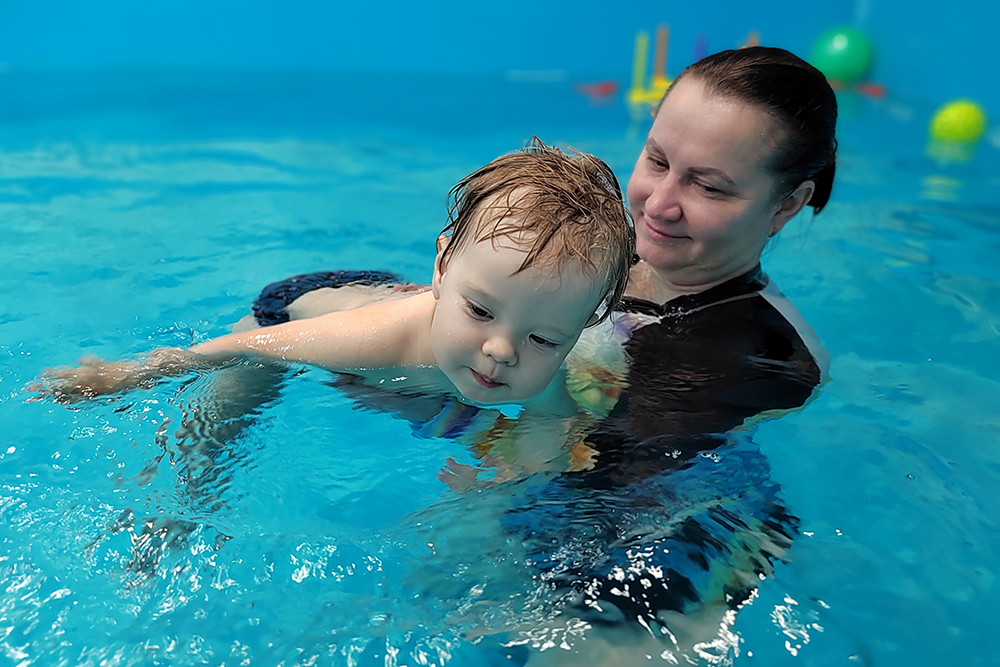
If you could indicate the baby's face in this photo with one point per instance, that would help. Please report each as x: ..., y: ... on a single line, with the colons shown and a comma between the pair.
x: 500, y: 336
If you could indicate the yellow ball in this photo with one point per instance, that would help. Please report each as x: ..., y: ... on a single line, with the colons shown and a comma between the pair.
x: 959, y: 121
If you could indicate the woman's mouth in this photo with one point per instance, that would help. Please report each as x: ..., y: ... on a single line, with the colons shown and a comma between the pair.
x: 659, y: 231
x: 486, y: 380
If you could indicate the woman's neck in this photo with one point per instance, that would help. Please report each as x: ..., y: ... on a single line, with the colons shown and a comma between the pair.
x: 646, y: 283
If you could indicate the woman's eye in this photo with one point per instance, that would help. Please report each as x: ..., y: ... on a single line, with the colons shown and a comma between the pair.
x: 544, y: 342
x: 657, y: 163
x: 710, y: 190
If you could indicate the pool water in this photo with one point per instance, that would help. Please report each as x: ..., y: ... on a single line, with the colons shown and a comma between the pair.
x: 146, y: 211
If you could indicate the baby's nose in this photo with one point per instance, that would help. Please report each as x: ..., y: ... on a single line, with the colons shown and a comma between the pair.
x: 500, y: 349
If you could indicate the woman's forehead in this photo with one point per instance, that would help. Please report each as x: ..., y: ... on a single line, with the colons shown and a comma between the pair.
x: 700, y: 125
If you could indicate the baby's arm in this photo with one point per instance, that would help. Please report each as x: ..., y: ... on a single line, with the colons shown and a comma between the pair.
x: 381, y: 335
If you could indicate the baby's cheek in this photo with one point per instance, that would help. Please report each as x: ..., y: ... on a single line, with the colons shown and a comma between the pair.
x: 541, y: 372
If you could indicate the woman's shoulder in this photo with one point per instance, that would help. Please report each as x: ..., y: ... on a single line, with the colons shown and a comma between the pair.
x: 746, y: 315
x: 798, y: 323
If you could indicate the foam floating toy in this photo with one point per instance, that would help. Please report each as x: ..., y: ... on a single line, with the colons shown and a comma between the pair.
x: 642, y: 93
x: 598, y: 91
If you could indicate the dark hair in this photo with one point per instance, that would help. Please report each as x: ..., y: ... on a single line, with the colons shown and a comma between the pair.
x: 797, y: 95
x: 558, y: 205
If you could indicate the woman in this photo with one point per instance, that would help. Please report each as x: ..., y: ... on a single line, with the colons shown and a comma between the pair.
x: 679, y: 517
x: 741, y: 142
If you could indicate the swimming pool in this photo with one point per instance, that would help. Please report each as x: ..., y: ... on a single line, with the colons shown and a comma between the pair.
x: 149, y: 211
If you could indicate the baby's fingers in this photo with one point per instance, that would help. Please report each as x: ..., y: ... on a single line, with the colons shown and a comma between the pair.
x: 36, y: 388
x: 458, y: 476
x: 67, y: 384
x: 46, y: 388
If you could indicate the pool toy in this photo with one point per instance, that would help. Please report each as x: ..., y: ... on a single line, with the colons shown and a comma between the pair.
x: 844, y: 55
x: 640, y: 94
x: 700, y: 47
x: 599, y: 92
x: 960, y: 121
x: 955, y: 130
x: 871, y: 89
x: 598, y: 89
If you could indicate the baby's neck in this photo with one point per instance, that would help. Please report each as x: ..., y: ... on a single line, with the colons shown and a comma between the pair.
x: 554, y: 400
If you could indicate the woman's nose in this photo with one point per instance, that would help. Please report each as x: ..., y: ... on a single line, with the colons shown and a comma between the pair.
x: 500, y: 349
x: 663, y: 202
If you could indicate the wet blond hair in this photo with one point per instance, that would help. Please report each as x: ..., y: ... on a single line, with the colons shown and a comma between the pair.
x: 557, y: 205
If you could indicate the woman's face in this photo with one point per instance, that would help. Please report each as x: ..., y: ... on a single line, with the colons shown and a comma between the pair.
x: 702, y: 201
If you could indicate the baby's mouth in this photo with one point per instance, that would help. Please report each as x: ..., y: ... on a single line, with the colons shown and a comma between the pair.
x: 486, y: 381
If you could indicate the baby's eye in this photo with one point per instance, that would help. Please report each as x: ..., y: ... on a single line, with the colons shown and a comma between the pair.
x: 544, y: 342
x: 478, y: 311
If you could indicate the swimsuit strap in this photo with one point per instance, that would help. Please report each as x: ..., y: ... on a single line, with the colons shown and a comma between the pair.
x: 742, y: 287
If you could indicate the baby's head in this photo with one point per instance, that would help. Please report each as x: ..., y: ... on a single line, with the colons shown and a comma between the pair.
x: 538, y: 247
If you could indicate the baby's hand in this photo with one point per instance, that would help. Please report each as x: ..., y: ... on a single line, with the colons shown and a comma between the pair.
x: 91, y: 378
x: 458, y: 476
x: 95, y: 377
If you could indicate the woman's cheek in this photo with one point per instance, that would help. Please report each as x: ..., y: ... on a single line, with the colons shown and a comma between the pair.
x: 639, y: 187
x: 709, y: 219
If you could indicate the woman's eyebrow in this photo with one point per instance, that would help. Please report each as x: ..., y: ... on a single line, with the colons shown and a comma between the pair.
x: 715, y: 173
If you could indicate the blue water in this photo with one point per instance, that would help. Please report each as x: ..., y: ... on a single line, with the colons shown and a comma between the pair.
x: 145, y: 211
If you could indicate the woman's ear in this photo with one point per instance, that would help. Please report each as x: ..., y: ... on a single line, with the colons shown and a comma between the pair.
x: 791, y: 205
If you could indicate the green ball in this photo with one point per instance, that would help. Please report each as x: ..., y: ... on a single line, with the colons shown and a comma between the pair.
x: 844, y: 55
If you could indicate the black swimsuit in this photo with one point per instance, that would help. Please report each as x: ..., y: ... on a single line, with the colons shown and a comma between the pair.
x: 680, y: 510
x: 713, y: 360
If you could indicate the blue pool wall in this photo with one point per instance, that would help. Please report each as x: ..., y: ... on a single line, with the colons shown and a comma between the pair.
x: 926, y: 52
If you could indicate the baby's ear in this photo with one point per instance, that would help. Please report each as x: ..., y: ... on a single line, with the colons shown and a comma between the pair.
x: 440, y: 264
x: 599, y: 313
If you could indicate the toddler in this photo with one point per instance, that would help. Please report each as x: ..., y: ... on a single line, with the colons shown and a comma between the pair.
x: 538, y: 247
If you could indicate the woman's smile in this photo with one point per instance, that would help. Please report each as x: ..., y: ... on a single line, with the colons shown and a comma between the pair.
x: 662, y: 230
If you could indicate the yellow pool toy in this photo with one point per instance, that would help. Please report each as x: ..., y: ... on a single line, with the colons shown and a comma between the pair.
x: 640, y: 93
x: 960, y: 121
